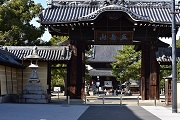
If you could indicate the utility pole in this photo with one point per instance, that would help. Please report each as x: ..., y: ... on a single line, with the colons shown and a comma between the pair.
x: 174, y: 66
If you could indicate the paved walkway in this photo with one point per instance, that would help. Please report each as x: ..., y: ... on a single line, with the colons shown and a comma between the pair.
x: 117, y: 113
x: 93, y: 110
x: 84, y: 112
x: 164, y: 113
x: 40, y: 112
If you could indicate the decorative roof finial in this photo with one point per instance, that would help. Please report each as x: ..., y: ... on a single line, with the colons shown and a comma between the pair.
x: 49, y: 3
x: 34, y: 50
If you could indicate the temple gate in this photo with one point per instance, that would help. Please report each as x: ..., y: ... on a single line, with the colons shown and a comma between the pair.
x: 101, y: 22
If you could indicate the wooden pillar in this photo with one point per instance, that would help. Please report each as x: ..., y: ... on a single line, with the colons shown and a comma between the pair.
x: 77, y: 72
x: 145, y: 71
x: 80, y: 82
x: 149, y: 72
x: 72, y: 74
x: 67, y: 82
x: 168, y: 90
x: 49, y: 77
x: 154, y: 74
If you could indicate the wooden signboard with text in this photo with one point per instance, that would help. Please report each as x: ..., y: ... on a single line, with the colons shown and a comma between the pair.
x: 113, y: 37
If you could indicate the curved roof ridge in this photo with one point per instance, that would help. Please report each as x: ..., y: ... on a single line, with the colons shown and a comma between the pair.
x: 85, y: 13
x: 105, y: 2
x: 115, y: 7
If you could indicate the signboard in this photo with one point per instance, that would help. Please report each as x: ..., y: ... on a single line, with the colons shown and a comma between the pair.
x: 108, y: 83
x: 113, y: 37
x: 57, y: 89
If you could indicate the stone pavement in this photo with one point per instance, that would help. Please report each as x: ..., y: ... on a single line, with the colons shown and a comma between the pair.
x: 117, y: 113
x: 40, y: 112
x: 84, y: 112
x: 164, y: 113
x: 94, y: 109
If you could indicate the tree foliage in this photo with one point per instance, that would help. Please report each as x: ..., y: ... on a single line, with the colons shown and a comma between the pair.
x: 128, y: 64
x: 178, y: 43
x: 58, y: 75
x: 88, y: 54
x: 178, y: 63
x: 15, y: 18
x: 164, y: 73
x: 57, y: 39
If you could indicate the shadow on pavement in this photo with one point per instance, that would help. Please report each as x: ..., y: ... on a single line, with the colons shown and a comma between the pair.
x: 117, y: 113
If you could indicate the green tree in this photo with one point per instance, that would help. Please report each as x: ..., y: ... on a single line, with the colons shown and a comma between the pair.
x: 55, y: 40
x: 128, y: 64
x: 15, y: 18
x: 88, y: 54
x: 58, y: 74
x: 178, y: 63
x: 178, y: 43
x: 165, y: 71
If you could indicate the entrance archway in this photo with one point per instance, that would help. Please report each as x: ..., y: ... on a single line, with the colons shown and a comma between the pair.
x: 116, y: 23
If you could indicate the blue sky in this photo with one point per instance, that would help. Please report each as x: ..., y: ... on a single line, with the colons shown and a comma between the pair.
x: 43, y: 2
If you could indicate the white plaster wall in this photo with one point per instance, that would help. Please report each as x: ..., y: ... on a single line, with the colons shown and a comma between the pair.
x: 178, y: 93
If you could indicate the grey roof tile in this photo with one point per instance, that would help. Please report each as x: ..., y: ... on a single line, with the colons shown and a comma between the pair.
x: 104, y: 53
x: 77, y: 13
x: 48, y: 53
x: 9, y: 59
x: 165, y: 54
x: 100, y: 72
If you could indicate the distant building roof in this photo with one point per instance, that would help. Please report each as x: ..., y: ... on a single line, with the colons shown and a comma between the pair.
x: 165, y: 55
x: 104, y: 53
x: 100, y: 72
x: 48, y: 53
x: 163, y: 44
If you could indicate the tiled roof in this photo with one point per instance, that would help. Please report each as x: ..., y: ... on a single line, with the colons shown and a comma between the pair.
x: 104, y: 53
x: 48, y: 53
x: 8, y: 59
x: 100, y: 72
x: 86, y: 12
x: 165, y: 54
